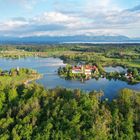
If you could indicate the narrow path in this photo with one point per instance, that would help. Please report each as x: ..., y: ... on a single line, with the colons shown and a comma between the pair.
x: 32, y: 79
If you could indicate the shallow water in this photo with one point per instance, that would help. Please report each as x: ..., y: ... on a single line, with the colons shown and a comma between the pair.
x: 48, y: 67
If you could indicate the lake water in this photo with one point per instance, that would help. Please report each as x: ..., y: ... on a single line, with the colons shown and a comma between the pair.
x: 48, y: 67
x: 115, y: 69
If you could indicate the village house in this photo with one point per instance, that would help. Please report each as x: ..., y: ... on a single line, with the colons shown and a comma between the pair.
x: 87, y: 70
x: 129, y: 75
x: 77, y: 69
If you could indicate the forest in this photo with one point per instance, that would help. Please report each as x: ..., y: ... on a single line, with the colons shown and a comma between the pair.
x: 32, y: 112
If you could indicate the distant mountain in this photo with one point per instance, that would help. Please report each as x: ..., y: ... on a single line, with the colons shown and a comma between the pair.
x: 66, y: 39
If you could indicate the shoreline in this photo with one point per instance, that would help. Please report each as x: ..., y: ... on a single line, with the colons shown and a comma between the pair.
x: 27, y: 82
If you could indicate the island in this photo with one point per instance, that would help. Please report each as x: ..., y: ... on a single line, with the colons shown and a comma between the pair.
x: 86, y: 72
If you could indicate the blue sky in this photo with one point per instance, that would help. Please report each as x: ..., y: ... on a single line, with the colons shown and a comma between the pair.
x: 69, y: 17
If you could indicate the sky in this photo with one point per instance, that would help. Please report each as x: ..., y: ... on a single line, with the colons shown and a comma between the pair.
x: 23, y: 18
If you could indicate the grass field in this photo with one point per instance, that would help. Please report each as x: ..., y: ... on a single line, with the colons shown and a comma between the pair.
x: 18, y: 79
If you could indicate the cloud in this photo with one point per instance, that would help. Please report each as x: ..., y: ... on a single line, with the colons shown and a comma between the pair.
x: 135, y: 9
x: 12, y: 25
x: 53, y: 17
x: 93, y: 18
x: 27, y: 4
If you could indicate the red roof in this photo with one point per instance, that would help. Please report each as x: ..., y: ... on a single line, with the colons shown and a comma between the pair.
x: 91, y: 67
x: 76, y: 68
x: 94, y: 67
x: 88, y: 67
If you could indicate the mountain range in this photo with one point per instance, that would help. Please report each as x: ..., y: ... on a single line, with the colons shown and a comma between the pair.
x: 67, y: 39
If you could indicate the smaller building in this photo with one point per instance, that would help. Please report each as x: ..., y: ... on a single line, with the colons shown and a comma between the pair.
x: 88, y: 71
x: 129, y: 75
x: 77, y: 70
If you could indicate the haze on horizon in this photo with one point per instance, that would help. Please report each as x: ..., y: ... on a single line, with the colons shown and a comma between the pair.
x: 21, y: 18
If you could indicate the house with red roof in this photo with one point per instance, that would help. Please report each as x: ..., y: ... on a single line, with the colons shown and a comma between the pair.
x: 87, y: 69
x: 77, y: 70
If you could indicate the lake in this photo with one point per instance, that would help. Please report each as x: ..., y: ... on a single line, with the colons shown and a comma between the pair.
x: 48, y: 67
x: 115, y: 69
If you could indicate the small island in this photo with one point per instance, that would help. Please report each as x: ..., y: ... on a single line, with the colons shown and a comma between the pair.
x: 17, y: 76
x: 86, y: 72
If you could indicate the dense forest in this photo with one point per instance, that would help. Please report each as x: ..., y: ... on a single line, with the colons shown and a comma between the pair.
x: 32, y: 112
